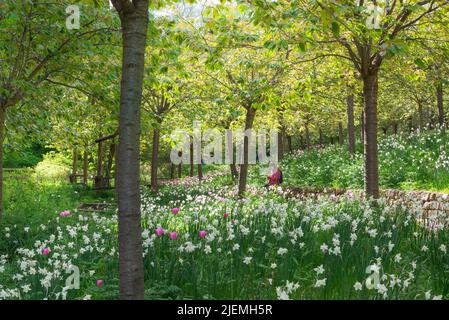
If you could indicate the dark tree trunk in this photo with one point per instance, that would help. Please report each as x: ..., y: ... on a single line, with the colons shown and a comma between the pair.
x: 200, y: 171
x: 180, y: 165
x: 172, y: 171
x: 281, y: 148
x: 307, y: 137
x: 370, y: 92
x: 234, y: 172
x: 249, y: 120
x: 385, y: 130
x: 2, y: 138
x: 395, y: 128
x: 440, y: 105
x: 74, y: 164
x: 301, y: 142
x: 85, y: 166
x: 98, y: 178
x: 134, y: 21
x: 320, y: 133
x: 421, y: 116
x: 289, y: 143
x: 351, y: 130
x: 191, y: 171
x: 154, y: 159
x: 362, y: 123
x: 340, y: 133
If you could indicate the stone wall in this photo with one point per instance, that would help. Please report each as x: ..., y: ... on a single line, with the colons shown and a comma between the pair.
x: 430, y: 205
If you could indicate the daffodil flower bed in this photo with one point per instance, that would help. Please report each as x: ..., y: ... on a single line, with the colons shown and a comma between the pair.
x: 201, y: 242
x: 409, y: 161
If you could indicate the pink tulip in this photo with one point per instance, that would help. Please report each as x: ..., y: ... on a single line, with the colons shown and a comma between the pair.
x: 175, y: 211
x: 225, y: 215
x: 173, y: 235
x: 65, y: 213
x: 45, y: 251
x: 99, y: 283
x: 159, y: 231
x: 202, y: 233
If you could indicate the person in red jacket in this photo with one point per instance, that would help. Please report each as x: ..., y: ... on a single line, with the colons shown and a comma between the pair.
x: 276, y: 176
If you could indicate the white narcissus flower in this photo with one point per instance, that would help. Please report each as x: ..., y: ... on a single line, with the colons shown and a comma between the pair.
x: 320, y: 283
x: 319, y: 270
x: 357, y: 286
x: 282, y: 251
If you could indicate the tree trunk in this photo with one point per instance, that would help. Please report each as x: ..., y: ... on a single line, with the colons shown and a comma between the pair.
x: 172, y: 171
x: 200, y: 171
x: 134, y: 21
x: 234, y: 172
x: 321, y: 140
x: 249, y: 120
x: 370, y: 93
x: 421, y: 116
x: 340, y: 133
x: 154, y: 159
x: 74, y: 164
x: 100, y: 159
x: 362, y: 123
x: 85, y: 166
x: 307, y: 137
x: 281, y: 135
x: 395, y: 128
x: 351, y: 130
x: 289, y: 143
x: 180, y: 170
x: 2, y: 138
x: 191, y: 160
x: 440, y: 105
x: 301, y: 142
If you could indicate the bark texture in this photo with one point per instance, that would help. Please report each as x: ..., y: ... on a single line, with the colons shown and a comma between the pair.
x: 351, y: 130
x: 249, y: 121
x: 134, y: 22
x: 370, y: 93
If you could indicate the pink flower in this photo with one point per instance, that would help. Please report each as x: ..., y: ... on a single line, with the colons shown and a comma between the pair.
x: 159, y: 231
x: 175, y: 211
x: 65, y: 213
x: 45, y: 251
x: 202, y: 233
x: 99, y: 283
x: 225, y: 215
x: 173, y: 235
